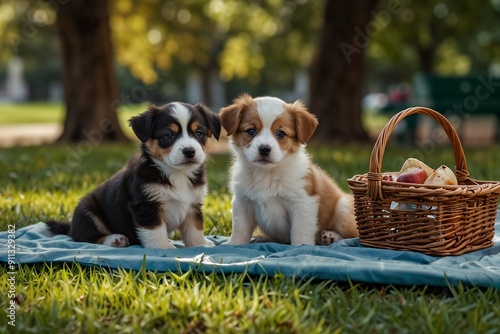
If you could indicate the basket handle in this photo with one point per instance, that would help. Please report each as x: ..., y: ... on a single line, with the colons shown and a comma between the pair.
x: 374, y: 174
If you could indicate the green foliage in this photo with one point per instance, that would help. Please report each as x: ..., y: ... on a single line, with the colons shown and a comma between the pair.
x: 236, y: 39
x: 262, y: 41
x: 440, y: 36
x: 28, y: 30
x: 233, y: 39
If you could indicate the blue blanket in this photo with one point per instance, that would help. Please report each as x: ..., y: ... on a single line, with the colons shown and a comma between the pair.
x: 342, y: 261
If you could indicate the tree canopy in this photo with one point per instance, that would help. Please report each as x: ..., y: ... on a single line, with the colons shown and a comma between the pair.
x: 224, y: 38
x: 442, y: 36
x: 234, y: 39
x: 253, y: 40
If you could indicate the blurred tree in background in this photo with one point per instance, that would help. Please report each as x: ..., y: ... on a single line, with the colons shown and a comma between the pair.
x: 216, y: 40
x: 219, y: 41
x: 28, y: 31
x: 337, y: 74
x: 259, y: 46
x: 89, y: 79
x: 436, y: 36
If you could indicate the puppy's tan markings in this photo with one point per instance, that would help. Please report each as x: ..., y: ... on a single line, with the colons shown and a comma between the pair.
x: 311, y: 184
x: 244, y: 113
x: 193, y: 220
x: 305, y: 122
x: 328, y: 198
x: 195, y: 217
x: 231, y: 116
x: 337, y: 217
x: 155, y: 149
x: 174, y: 128
x: 319, y: 185
x: 99, y: 224
x: 286, y: 124
x: 250, y: 120
x: 195, y: 126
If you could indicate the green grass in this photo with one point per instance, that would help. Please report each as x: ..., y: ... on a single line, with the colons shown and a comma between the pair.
x: 44, y: 182
x: 41, y: 112
x: 73, y: 299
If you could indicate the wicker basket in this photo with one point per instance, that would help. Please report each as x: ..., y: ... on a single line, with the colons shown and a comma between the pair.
x: 435, y: 220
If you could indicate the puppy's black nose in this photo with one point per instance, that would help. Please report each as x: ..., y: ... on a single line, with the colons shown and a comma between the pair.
x: 188, y: 152
x: 264, y: 150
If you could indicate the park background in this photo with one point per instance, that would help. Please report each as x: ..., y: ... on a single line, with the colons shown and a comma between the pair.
x: 66, y: 65
x: 85, y: 61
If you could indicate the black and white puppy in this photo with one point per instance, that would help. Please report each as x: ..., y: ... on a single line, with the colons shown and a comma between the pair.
x: 159, y: 191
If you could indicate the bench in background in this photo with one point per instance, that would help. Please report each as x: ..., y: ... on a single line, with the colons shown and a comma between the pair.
x: 462, y: 96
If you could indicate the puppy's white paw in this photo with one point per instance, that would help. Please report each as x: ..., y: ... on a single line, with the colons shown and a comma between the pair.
x: 233, y: 242
x: 116, y: 240
x: 329, y: 237
x: 162, y: 245
x: 200, y: 243
x: 209, y: 243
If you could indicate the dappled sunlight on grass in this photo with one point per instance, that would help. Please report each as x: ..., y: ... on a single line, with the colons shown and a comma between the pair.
x: 42, y: 182
x: 217, y: 211
x: 48, y: 181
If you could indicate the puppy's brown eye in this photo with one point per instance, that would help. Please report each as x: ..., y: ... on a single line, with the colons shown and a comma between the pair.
x: 199, y: 134
x: 280, y: 134
x: 251, y: 132
x: 169, y: 135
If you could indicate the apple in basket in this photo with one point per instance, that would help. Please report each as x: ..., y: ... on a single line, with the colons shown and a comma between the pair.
x: 413, y: 175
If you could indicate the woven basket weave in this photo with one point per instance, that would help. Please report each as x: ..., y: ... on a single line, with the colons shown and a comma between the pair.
x: 435, y: 220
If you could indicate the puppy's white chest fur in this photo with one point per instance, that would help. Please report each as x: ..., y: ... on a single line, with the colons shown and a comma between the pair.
x: 273, y: 218
x: 283, y: 180
x: 276, y: 199
x: 176, y: 201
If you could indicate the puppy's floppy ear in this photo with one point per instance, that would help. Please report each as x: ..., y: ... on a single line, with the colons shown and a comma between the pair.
x: 143, y: 124
x: 305, y: 122
x: 212, y: 119
x: 231, y: 116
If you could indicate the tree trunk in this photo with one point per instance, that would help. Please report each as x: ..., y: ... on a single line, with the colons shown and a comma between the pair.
x: 426, y: 58
x: 209, y: 71
x: 206, y: 85
x: 338, y: 71
x: 90, y: 87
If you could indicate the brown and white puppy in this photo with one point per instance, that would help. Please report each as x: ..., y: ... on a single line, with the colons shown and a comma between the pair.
x: 275, y: 185
x: 158, y: 191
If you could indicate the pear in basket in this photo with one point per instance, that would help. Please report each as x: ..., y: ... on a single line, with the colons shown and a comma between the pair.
x: 441, y: 177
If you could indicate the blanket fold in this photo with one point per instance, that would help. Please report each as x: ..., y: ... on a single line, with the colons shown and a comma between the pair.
x: 342, y: 261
